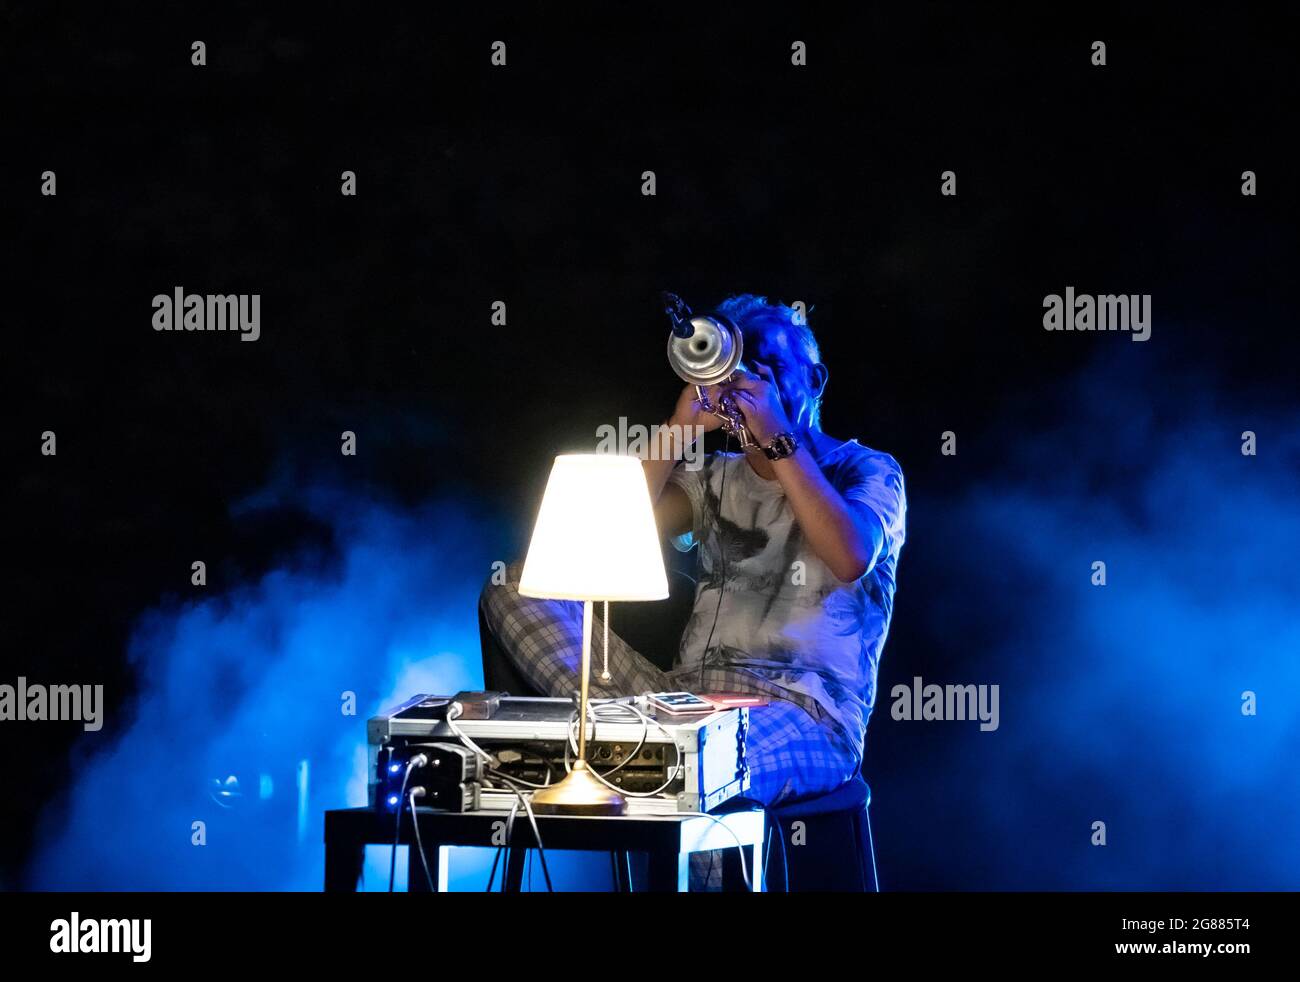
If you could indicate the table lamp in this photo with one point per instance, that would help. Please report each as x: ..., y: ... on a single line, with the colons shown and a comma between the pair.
x: 595, y: 539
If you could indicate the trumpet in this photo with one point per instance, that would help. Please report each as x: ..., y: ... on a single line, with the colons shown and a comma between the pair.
x: 704, y: 350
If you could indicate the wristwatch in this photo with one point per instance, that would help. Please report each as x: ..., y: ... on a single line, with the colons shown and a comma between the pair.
x: 783, y: 445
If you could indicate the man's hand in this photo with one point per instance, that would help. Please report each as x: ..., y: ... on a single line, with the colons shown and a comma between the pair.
x: 687, y: 412
x: 672, y: 507
x: 759, y: 401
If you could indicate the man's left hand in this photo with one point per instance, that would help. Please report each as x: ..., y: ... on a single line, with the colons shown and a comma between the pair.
x: 759, y: 401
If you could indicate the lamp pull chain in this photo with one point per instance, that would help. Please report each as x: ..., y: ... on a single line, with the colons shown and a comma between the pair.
x: 605, y: 676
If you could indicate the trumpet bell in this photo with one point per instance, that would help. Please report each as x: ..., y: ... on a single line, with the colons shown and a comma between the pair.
x: 709, y: 355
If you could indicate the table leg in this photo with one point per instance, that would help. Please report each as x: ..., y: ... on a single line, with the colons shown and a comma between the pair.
x: 621, y: 861
x: 344, y: 859
x: 670, y: 872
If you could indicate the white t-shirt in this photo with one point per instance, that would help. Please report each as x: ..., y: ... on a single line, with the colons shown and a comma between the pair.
x: 785, y: 617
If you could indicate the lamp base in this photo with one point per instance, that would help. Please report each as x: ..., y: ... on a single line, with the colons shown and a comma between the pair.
x: 578, y: 794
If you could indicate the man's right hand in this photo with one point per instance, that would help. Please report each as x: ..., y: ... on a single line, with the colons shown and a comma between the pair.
x: 687, y: 412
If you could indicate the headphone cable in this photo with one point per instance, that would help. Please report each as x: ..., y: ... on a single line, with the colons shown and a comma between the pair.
x: 722, y: 559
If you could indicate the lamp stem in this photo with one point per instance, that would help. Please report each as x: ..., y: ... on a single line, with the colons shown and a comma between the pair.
x: 586, y: 674
x: 580, y: 792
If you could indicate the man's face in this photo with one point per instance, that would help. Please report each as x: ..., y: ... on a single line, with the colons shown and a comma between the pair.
x: 774, y: 348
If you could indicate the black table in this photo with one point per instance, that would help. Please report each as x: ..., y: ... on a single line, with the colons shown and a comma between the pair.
x: 668, y: 840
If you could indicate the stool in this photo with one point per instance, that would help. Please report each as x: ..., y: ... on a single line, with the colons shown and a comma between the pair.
x: 837, y: 853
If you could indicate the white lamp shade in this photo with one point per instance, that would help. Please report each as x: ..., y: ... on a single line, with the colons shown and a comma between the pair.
x: 595, y: 537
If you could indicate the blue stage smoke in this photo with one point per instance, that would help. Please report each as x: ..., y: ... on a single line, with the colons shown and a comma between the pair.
x: 239, y: 721
x: 1120, y: 703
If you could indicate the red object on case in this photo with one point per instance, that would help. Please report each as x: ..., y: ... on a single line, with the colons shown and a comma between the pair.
x: 734, y: 700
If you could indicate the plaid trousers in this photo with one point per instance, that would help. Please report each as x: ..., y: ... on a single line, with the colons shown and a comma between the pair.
x: 795, y: 749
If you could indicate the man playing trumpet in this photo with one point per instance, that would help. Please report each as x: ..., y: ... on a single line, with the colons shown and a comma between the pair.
x: 799, y: 537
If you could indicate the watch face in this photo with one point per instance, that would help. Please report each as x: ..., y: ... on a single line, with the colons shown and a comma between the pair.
x: 783, y: 445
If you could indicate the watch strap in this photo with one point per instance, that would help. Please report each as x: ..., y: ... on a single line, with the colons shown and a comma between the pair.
x: 783, y: 445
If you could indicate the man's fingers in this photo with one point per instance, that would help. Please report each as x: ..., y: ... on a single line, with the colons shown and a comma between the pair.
x: 745, y: 382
